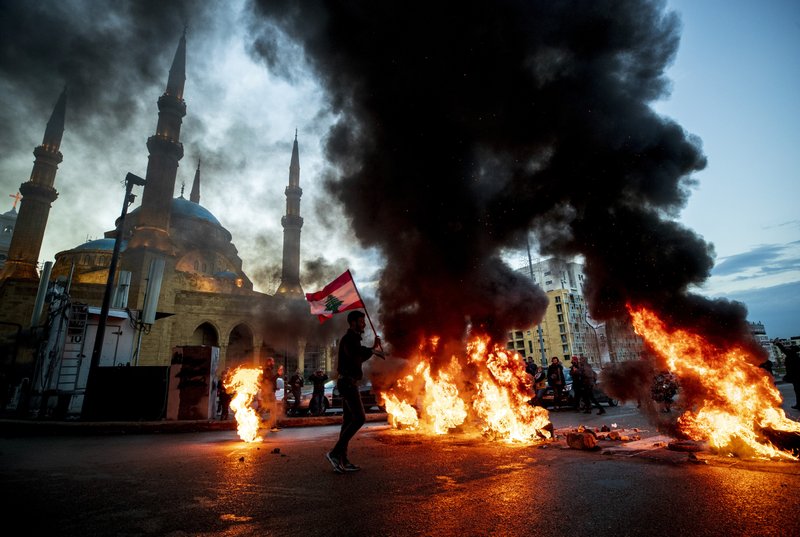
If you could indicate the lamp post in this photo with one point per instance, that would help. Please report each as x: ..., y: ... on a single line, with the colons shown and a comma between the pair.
x: 131, y: 180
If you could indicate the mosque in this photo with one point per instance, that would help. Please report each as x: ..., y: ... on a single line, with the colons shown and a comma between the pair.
x: 169, y: 247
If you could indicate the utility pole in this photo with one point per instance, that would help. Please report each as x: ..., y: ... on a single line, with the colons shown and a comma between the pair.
x: 91, y: 381
x: 543, y: 356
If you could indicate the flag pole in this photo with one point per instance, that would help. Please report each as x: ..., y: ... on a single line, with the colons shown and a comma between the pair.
x: 380, y: 347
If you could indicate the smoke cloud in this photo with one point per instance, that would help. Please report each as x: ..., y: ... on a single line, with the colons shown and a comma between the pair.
x: 463, y: 127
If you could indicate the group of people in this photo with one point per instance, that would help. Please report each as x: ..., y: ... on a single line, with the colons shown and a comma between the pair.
x: 271, y: 393
x: 583, y: 381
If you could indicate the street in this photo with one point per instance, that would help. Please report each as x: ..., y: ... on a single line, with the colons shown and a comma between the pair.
x: 212, y: 484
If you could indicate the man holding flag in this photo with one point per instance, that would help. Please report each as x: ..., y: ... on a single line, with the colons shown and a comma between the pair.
x: 338, y: 296
x: 351, y: 355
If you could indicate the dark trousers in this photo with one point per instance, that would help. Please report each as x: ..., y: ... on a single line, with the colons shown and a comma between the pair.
x: 587, y: 394
x: 578, y: 390
x: 353, y: 415
x: 297, y: 397
x: 317, y: 403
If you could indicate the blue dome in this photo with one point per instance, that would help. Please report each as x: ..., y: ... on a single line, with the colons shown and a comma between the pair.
x: 184, y: 207
x: 101, y: 244
x: 226, y: 274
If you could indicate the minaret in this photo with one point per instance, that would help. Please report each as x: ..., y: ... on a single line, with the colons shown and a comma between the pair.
x: 37, y: 196
x: 194, y: 196
x: 292, y: 223
x: 152, y: 227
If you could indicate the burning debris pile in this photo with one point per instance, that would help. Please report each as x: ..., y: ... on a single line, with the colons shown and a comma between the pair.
x: 588, y: 438
x: 727, y: 399
x: 491, y: 396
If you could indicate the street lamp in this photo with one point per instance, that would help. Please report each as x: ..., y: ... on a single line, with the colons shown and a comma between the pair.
x: 131, y: 180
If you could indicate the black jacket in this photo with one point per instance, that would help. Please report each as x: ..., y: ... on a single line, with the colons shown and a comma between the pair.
x: 555, y: 375
x: 351, y: 355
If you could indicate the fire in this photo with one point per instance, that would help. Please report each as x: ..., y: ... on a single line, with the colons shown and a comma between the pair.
x: 244, y: 382
x: 495, y: 400
x: 742, y: 404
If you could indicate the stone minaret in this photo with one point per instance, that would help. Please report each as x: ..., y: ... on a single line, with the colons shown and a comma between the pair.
x: 150, y: 239
x: 194, y: 196
x: 37, y: 196
x: 152, y: 228
x: 292, y: 223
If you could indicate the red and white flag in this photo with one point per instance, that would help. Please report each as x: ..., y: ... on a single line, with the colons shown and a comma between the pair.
x: 338, y: 296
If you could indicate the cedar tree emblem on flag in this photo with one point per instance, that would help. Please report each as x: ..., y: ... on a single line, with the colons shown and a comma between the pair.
x: 338, y: 296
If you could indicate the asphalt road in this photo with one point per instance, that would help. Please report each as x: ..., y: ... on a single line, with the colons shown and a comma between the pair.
x: 212, y: 484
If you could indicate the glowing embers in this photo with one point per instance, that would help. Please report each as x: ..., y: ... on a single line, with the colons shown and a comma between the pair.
x: 738, y: 411
x: 244, y: 383
x: 486, y: 390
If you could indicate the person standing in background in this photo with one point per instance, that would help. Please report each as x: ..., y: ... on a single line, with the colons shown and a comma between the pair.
x: 295, y: 385
x: 555, y: 377
x: 318, y: 379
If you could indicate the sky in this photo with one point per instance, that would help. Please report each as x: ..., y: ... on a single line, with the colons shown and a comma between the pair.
x: 735, y: 81
x: 251, y: 84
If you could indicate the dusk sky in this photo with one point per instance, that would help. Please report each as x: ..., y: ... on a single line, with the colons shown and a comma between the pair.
x: 732, y: 86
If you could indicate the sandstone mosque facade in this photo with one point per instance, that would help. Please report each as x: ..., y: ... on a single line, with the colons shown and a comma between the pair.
x: 205, y: 297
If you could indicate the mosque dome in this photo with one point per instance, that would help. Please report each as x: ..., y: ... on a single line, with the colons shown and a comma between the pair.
x: 100, y: 244
x: 182, y: 207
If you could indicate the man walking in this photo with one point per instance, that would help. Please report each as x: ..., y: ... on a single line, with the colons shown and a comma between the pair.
x: 351, y: 355
x: 589, y: 379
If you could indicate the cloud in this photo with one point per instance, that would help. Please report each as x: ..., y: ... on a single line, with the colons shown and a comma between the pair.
x: 764, y: 260
x: 777, y: 307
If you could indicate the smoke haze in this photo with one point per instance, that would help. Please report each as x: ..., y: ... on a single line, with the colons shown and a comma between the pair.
x: 461, y: 128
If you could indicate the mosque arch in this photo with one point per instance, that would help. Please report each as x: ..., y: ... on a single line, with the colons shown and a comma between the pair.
x: 240, y: 346
x: 205, y: 334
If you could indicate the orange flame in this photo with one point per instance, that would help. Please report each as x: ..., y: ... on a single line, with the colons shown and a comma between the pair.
x: 741, y: 399
x: 496, y: 402
x: 244, y: 382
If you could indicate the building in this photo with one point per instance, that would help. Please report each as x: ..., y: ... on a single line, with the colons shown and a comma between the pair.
x: 176, y: 275
x: 8, y: 221
x: 567, y: 329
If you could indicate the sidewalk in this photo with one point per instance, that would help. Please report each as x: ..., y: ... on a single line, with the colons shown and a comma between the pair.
x: 40, y: 427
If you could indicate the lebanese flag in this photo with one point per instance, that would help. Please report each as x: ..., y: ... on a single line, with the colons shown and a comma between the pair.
x: 338, y: 296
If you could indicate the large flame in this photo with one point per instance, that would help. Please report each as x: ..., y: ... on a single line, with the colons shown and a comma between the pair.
x: 244, y: 383
x: 495, y: 398
x: 742, y: 404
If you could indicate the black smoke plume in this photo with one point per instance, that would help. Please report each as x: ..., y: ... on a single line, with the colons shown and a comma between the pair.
x: 465, y: 125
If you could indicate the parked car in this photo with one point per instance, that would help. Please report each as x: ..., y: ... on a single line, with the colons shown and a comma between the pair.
x: 368, y: 397
x: 306, y: 392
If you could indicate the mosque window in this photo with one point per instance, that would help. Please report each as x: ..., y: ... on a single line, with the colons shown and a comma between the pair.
x: 197, y: 265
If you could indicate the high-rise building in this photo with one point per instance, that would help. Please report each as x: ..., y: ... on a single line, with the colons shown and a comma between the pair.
x: 567, y: 329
